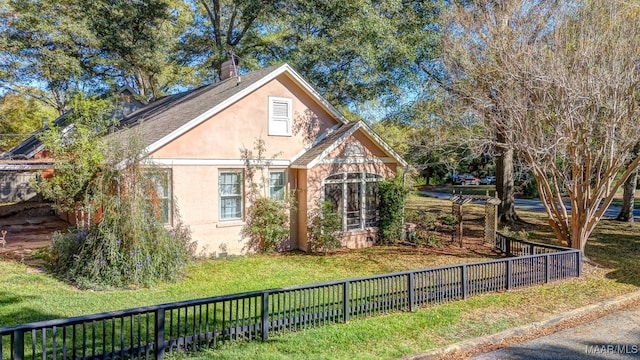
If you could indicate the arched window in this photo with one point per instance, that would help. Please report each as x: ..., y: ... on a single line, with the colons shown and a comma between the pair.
x: 355, y: 197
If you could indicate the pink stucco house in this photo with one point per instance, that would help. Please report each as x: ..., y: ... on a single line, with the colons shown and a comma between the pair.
x: 196, y: 137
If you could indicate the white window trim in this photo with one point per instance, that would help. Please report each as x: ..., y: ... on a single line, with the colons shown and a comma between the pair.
x: 168, y: 172
x: 363, y: 180
x: 227, y: 171
x: 284, y: 173
x: 288, y: 119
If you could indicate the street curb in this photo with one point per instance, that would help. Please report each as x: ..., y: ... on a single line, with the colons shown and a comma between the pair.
x: 501, y: 337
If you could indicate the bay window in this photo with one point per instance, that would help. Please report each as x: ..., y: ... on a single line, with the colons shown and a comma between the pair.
x: 355, y: 197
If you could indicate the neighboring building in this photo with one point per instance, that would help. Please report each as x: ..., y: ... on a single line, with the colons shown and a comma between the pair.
x: 24, y: 163
x: 196, y: 138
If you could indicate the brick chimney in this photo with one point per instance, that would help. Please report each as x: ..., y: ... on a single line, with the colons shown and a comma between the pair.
x: 229, y: 68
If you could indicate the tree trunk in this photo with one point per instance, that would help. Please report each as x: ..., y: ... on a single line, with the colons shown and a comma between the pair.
x: 628, y: 197
x: 629, y: 187
x: 504, y: 187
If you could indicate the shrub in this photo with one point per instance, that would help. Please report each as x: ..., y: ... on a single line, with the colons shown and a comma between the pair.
x: 129, y: 244
x: 121, y: 250
x: 449, y: 219
x: 324, y: 224
x: 267, y: 224
x: 392, y: 196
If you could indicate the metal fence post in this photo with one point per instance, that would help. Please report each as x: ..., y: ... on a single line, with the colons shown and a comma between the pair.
x: 345, y: 301
x: 159, y: 334
x: 18, y: 345
x: 464, y: 282
x: 507, y: 243
x: 265, y: 316
x: 579, y: 263
x: 547, y: 268
x: 411, y: 293
x: 508, y: 274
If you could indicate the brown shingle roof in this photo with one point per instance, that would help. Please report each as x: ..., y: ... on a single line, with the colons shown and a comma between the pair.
x: 323, y: 145
x: 165, y: 115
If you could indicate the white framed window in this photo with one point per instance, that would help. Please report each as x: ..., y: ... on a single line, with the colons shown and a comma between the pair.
x: 280, y: 116
x: 277, y: 184
x: 163, y: 194
x: 231, y: 194
x: 355, y: 196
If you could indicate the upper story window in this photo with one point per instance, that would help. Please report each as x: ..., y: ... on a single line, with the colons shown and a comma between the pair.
x: 280, y: 116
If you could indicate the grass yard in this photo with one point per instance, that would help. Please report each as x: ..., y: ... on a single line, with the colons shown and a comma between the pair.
x: 29, y: 295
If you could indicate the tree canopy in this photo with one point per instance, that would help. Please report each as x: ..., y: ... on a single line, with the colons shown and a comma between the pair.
x: 558, y: 82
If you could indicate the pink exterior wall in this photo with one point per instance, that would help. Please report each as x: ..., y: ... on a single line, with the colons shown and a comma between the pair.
x: 372, y: 162
x: 242, y: 123
x: 197, y: 157
x: 215, y: 145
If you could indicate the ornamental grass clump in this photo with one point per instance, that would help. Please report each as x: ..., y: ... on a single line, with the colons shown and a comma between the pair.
x: 122, y: 238
x: 129, y: 246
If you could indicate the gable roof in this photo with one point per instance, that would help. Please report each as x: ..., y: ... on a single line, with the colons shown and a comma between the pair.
x: 169, y: 117
x: 314, y: 155
x: 32, y: 145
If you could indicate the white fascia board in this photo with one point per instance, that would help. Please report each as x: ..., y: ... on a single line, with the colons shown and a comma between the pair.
x: 383, y: 160
x: 228, y: 102
x: 25, y: 167
x: 333, y: 146
x: 315, y: 94
x: 33, y: 152
x: 316, y: 141
x: 382, y: 144
x: 214, y: 162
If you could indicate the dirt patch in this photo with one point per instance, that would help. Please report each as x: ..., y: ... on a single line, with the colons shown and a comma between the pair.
x: 28, y: 226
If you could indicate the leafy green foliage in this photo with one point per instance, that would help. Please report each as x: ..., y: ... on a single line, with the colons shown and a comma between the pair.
x: 431, y: 228
x: 137, y: 43
x: 369, y: 49
x: 120, y: 240
x: 44, y: 42
x: 267, y: 224
x: 324, y: 224
x: 392, y: 196
x: 19, y: 116
x: 117, y: 251
x: 79, y: 153
x: 267, y: 220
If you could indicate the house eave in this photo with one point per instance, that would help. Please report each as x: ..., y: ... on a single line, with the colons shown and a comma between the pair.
x: 284, y: 69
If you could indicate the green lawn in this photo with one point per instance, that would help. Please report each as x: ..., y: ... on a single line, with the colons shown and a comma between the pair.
x: 28, y: 295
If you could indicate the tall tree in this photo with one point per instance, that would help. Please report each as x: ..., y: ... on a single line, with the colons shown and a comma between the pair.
x: 472, y: 25
x: 222, y: 25
x: 19, y: 117
x: 137, y: 44
x: 43, y: 47
x: 354, y: 51
x: 629, y: 191
x: 560, y: 82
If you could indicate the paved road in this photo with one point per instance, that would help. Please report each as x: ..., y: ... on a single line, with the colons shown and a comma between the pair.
x: 536, y: 205
x: 615, y: 336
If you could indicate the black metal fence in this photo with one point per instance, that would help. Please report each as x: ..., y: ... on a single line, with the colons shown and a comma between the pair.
x: 153, y: 331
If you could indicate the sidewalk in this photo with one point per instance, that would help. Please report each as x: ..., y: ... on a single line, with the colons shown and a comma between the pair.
x: 615, y: 336
x: 605, y: 330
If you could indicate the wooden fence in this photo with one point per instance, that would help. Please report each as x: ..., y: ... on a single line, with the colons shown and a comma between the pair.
x: 188, y: 326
